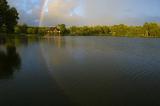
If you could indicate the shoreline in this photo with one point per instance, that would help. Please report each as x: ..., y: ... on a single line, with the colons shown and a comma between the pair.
x: 52, y: 36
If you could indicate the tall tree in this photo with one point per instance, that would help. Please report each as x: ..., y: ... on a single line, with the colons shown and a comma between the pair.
x: 151, y: 29
x: 8, y: 16
x: 62, y: 28
x: 3, y: 9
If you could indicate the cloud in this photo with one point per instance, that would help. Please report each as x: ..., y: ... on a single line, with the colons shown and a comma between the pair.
x: 29, y: 10
x: 131, y: 12
x: 62, y: 11
x: 88, y: 12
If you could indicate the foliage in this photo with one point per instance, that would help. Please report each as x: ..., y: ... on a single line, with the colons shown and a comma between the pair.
x: 151, y: 29
x: 62, y: 28
x: 32, y: 30
x: 21, y: 29
x: 24, y: 29
x: 8, y: 17
x: 119, y: 30
x: 147, y: 30
x: 89, y: 30
x: 3, y: 28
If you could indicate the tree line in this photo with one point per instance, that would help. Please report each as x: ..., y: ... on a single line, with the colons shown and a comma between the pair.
x: 25, y: 29
x: 146, y: 30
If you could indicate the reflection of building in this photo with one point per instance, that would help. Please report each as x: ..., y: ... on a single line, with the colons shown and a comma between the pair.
x: 53, y: 30
x: 58, y: 41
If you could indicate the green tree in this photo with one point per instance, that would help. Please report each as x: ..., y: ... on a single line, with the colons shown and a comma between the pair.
x: 62, y: 28
x: 3, y: 9
x: 30, y: 31
x: 8, y: 16
x: 135, y: 31
x: 106, y: 30
x: 119, y: 30
x: 11, y: 19
x: 3, y: 28
x: 151, y: 29
x: 42, y: 30
x: 17, y: 30
x: 23, y: 28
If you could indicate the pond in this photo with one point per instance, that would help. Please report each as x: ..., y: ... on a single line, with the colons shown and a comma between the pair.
x: 80, y: 71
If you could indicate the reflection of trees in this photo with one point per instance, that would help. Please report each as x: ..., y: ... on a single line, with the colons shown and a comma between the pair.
x: 9, y: 62
x: 25, y: 41
x: 2, y: 40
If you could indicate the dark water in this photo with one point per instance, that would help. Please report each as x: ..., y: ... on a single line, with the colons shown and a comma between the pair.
x: 80, y: 71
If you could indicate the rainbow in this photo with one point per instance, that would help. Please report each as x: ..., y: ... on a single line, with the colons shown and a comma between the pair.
x: 42, y: 12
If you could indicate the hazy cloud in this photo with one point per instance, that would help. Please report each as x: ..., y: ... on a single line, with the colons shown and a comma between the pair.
x: 84, y: 12
x: 62, y: 11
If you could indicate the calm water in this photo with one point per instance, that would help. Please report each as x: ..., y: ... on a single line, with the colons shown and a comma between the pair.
x: 80, y: 71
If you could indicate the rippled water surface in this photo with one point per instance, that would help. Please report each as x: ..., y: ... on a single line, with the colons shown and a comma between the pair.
x: 80, y: 71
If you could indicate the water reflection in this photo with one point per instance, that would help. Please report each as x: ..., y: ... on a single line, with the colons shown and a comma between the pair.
x: 57, y: 41
x: 9, y: 61
x: 85, y: 71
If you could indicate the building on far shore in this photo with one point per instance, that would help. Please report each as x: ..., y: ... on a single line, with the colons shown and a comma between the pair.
x: 54, y: 31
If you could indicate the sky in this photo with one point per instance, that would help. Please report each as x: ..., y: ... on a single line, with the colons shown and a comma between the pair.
x: 87, y: 12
